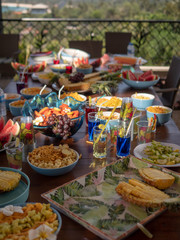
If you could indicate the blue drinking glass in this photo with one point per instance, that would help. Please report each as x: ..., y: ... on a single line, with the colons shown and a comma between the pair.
x: 92, y: 122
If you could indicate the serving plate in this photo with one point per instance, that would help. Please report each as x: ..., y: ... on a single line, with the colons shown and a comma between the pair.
x: 139, y: 152
x: 56, y: 87
x: 108, y: 98
x: 92, y: 201
x: 19, y: 194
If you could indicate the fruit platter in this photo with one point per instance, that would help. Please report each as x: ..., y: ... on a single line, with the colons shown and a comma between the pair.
x: 111, y: 201
x: 140, y: 81
x: 54, y: 117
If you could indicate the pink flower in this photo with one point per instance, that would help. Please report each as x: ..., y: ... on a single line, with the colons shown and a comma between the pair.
x: 29, y: 136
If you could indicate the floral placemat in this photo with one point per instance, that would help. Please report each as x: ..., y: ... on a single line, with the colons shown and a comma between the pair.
x: 92, y: 200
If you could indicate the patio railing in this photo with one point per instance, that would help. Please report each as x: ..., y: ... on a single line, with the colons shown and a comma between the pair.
x: 156, y: 41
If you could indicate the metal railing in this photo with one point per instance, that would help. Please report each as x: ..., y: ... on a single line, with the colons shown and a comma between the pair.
x: 155, y: 41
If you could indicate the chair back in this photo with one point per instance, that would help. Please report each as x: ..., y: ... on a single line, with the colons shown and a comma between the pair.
x: 172, y: 81
x: 9, y: 44
x: 117, y: 42
x: 94, y: 48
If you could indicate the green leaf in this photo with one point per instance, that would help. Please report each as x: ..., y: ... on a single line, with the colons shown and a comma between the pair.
x: 73, y: 189
x: 89, y: 191
x: 114, y: 211
x: 58, y: 196
x: 121, y: 166
x: 78, y: 208
x: 89, y: 178
x: 138, y: 163
x: 117, y: 224
x: 137, y: 211
x: 131, y: 218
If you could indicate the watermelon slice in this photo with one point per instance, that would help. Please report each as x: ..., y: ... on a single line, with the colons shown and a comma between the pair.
x: 14, y: 129
x: 8, y: 125
x: 150, y: 77
x: 1, y: 123
x: 131, y: 76
x: 124, y: 74
x: 145, y: 74
x: 5, y: 138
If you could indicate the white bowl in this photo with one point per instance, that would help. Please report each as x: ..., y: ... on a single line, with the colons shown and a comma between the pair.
x: 142, y: 104
x: 71, y: 55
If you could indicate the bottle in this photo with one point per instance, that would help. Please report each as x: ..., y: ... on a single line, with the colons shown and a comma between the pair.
x: 2, y: 103
x: 130, y: 49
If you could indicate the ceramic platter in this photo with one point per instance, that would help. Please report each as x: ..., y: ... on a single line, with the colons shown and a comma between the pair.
x: 92, y: 201
x: 19, y: 194
x: 139, y: 152
x: 107, y: 99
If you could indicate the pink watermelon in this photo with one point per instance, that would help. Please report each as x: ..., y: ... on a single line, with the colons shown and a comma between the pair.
x: 1, y: 123
x: 150, y: 77
x: 14, y: 129
x: 5, y: 138
x: 8, y: 125
x: 131, y: 76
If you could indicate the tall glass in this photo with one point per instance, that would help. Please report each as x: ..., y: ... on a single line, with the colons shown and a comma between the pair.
x: 92, y: 122
x: 99, y: 148
x: 88, y: 109
x: 14, y: 154
x: 123, y: 140
x: 144, y: 131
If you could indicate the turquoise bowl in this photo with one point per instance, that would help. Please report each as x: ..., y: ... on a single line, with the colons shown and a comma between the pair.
x: 9, y: 100
x: 161, y: 117
x: 84, y: 70
x: 54, y: 171
x: 29, y: 96
x: 140, y: 84
x: 142, y: 104
x: 15, y: 110
x: 58, y: 68
x: 19, y: 194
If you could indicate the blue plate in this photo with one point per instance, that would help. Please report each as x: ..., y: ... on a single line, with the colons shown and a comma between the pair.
x: 19, y: 194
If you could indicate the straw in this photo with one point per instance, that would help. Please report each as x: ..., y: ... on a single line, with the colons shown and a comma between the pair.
x: 90, y: 101
x: 117, y: 102
x: 144, y: 230
x: 59, y: 93
x: 42, y: 89
x: 130, y: 123
x: 100, y: 97
x: 22, y: 77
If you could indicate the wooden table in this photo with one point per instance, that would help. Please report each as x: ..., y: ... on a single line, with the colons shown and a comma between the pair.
x: 163, y: 227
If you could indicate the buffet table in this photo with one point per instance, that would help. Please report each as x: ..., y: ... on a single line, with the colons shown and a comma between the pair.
x: 162, y: 227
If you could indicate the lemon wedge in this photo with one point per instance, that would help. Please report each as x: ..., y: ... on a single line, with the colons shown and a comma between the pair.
x: 17, y: 142
x: 101, y: 126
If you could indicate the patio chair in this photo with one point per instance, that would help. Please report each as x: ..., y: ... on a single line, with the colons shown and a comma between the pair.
x: 9, y: 50
x: 94, y: 48
x: 117, y: 42
x: 172, y: 84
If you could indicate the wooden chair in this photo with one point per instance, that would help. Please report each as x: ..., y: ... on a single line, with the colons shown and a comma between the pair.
x: 9, y: 50
x: 172, y: 83
x: 94, y: 48
x: 117, y: 42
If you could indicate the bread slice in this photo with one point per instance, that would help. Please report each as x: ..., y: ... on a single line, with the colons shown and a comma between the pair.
x: 80, y: 86
x: 9, y: 180
x: 156, y: 178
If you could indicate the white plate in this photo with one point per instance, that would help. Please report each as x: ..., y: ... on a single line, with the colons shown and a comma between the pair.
x: 108, y: 98
x: 139, y: 152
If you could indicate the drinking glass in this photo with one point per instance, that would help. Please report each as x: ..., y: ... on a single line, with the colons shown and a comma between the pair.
x: 14, y: 154
x: 99, y: 148
x: 19, y: 86
x: 26, y: 135
x: 114, y: 128
x: 144, y: 131
x: 126, y: 109
x: 88, y: 109
x: 92, y: 122
x: 123, y: 139
x: 23, y: 77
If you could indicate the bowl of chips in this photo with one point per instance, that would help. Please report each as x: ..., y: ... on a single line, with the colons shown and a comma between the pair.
x: 29, y: 93
x: 142, y: 100
x: 53, y: 160
x: 162, y: 113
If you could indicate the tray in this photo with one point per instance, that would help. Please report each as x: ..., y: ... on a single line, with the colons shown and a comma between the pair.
x: 19, y: 194
x: 92, y: 201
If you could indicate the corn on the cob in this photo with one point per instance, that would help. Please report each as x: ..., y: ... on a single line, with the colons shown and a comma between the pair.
x: 156, y: 178
x: 9, y: 180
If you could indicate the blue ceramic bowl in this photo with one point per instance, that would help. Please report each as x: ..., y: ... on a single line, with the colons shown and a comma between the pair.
x: 58, y: 68
x: 84, y: 70
x: 19, y: 194
x: 69, y: 55
x: 140, y: 84
x: 161, y: 117
x: 142, y: 104
x: 29, y: 96
x: 11, y: 97
x: 54, y: 171
x: 15, y: 110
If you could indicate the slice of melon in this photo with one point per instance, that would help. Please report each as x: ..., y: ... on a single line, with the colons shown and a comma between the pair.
x: 131, y: 76
x: 5, y: 138
x: 7, y: 127
x: 1, y: 123
x: 15, y: 129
